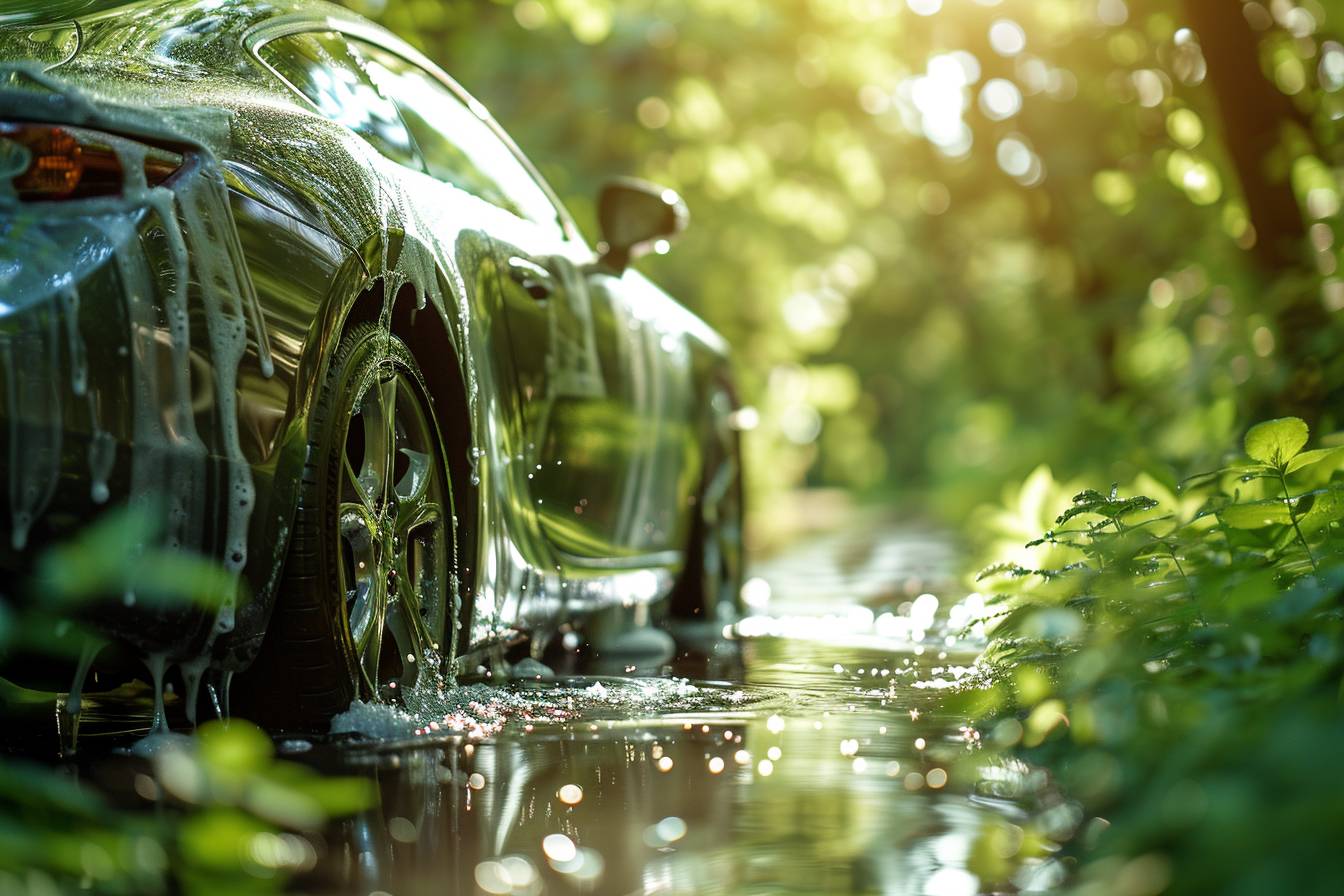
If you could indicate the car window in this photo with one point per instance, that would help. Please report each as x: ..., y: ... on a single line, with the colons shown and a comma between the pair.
x: 326, y: 70
x: 457, y: 146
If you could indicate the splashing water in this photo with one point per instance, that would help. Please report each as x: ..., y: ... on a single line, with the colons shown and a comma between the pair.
x: 477, y: 711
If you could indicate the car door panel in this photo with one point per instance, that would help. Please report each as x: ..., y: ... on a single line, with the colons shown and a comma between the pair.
x: 604, y: 394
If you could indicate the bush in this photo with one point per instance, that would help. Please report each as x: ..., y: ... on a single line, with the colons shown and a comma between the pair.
x: 1177, y: 663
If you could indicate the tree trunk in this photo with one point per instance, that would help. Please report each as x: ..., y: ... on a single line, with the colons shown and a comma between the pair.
x: 1255, y: 116
x: 1254, y: 113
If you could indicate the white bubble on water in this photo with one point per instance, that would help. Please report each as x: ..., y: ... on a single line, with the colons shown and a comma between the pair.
x: 436, y: 706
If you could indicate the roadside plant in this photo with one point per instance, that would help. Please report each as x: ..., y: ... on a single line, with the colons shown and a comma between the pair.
x: 218, y: 812
x: 1180, y: 671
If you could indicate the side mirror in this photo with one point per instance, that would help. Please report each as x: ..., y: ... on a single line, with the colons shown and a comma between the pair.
x: 634, y: 215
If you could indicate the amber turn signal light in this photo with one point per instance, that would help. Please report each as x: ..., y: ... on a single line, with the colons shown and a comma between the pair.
x: 64, y: 163
x: 56, y: 164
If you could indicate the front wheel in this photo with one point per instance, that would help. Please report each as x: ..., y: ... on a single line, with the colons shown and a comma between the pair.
x: 370, y: 596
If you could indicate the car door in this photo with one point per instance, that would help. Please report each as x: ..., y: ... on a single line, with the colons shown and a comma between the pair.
x: 607, y: 402
x: 600, y: 396
x: 580, y: 352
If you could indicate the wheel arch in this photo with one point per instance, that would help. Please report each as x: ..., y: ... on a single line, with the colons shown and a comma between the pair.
x: 358, y: 296
x: 361, y: 296
x: 442, y: 361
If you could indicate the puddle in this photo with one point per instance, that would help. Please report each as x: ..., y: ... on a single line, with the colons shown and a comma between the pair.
x: 827, y: 761
x: 818, y: 769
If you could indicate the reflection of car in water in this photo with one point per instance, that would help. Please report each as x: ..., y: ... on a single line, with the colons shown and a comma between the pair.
x: 483, y: 818
x: 267, y: 267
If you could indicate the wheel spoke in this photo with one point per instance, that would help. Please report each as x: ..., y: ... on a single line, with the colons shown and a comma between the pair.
x: 413, y: 517
x: 357, y: 531
x: 356, y: 484
x: 387, y: 391
x: 414, y: 485
x: 417, y: 505
x: 359, y: 609
x: 408, y: 630
x: 369, y: 641
x: 378, y: 410
x: 422, y: 617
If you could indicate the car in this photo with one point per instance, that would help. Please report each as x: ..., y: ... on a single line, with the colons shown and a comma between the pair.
x: 268, y: 269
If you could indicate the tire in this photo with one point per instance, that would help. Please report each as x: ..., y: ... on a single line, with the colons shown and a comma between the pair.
x: 369, y: 598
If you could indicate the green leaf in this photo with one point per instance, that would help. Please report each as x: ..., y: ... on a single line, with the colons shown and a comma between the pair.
x: 1110, y: 508
x: 117, y: 554
x: 26, y: 786
x: 1010, y: 569
x: 237, y: 748
x: 1277, y: 441
x: 1326, y: 507
x: 218, y: 839
x: 1241, y: 471
x: 1307, y: 458
x: 1256, y: 514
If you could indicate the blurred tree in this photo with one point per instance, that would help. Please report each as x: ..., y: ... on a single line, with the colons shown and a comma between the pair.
x: 953, y: 239
x: 1259, y: 123
x: 1255, y: 116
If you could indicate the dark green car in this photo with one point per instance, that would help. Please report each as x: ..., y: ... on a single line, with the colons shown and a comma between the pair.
x: 267, y: 267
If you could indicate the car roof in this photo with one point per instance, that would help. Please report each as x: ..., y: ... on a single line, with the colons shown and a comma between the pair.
x: 168, y: 13
x: 180, y: 31
x: 145, y: 41
x: 142, y: 44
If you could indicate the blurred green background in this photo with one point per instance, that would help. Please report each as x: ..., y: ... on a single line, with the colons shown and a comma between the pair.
x: 974, y: 256
x: 952, y: 240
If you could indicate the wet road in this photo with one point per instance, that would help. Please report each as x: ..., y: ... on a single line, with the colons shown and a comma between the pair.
x: 825, y: 761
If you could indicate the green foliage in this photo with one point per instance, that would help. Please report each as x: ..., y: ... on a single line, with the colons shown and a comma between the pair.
x: 234, y: 820
x: 1181, y: 672
x: 52, y: 830
x: 1275, y: 442
x: 117, y: 555
x: 230, y: 817
x: 245, y: 810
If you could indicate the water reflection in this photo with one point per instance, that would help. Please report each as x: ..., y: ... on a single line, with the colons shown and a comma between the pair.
x: 827, y: 760
x: 821, y: 770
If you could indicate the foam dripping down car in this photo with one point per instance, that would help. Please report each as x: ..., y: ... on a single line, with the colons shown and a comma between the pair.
x: 282, y: 280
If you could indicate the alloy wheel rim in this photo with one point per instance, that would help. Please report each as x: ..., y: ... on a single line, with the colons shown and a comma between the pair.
x: 393, y: 535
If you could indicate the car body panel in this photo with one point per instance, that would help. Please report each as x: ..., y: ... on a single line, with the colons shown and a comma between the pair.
x: 607, y: 377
